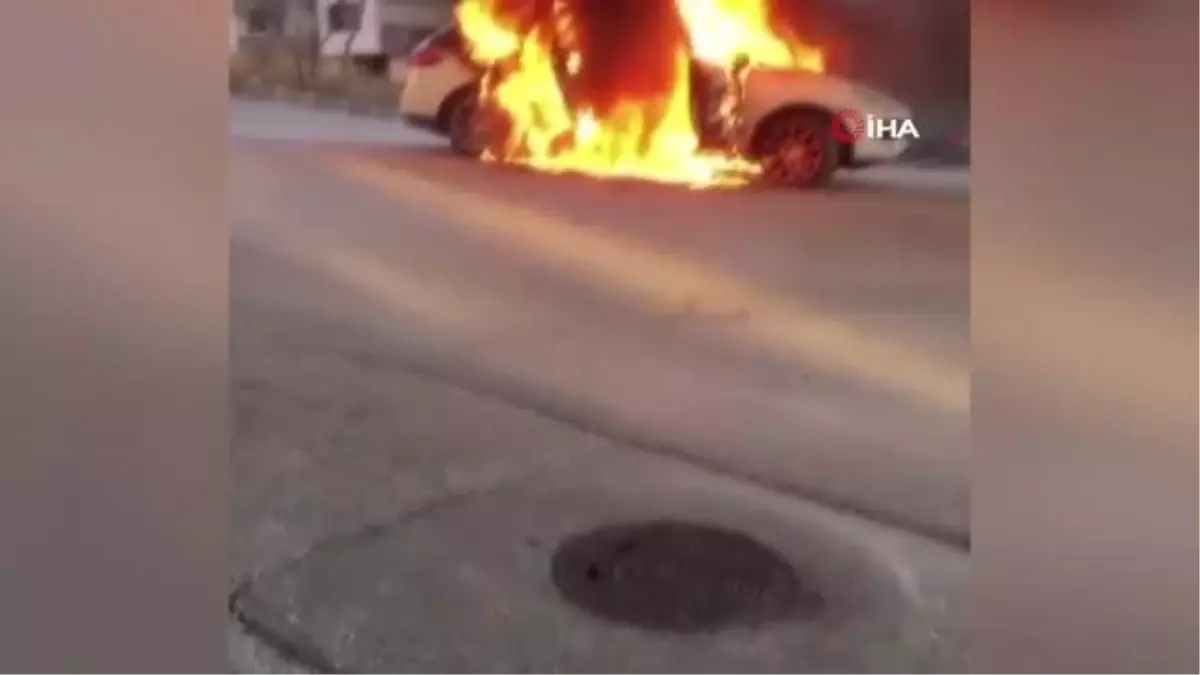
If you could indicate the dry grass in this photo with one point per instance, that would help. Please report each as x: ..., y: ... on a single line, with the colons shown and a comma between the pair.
x: 284, y: 74
x: 267, y: 73
x: 357, y: 88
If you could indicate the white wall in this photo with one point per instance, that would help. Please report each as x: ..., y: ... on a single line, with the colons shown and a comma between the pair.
x: 366, y: 40
x: 376, y: 14
x: 417, y: 12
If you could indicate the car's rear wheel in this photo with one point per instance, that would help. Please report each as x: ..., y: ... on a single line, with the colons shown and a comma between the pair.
x: 463, y: 125
x: 474, y: 127
x: 797, y: 148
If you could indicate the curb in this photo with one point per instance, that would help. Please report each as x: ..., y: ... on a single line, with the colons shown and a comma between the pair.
x: 318, y: 102
x: 937, y: 162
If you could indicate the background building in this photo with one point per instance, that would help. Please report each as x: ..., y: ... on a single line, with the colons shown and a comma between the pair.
x: 378, y: 28
x: 372, y: 33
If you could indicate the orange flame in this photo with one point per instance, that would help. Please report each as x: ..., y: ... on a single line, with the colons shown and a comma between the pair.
x: 721, y: 31
x: 532, y: 54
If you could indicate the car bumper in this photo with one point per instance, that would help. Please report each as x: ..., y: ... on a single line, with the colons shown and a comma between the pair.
x: 423, y: 122
x: 426, y: 89
x: 870, y: 151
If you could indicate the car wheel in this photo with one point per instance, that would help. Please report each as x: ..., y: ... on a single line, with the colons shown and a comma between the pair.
x: 463, y: 125
x: 798, y: 149
x: 474, y: 128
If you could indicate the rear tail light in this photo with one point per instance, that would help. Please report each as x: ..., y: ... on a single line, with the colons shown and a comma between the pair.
x: 425, y: 57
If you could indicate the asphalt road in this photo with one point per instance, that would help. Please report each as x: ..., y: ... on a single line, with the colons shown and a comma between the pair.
x: 444, y: 369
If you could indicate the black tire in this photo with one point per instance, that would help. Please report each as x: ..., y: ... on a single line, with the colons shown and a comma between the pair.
x: 462, y: 124
x: 797, y: 148
x: 474, y: 129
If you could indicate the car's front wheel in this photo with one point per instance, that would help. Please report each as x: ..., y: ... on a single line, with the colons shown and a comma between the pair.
x: 798, y: 148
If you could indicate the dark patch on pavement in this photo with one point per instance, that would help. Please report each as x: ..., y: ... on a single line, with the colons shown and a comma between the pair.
x: 678, y: 577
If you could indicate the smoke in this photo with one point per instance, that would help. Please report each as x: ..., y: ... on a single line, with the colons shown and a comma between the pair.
x: 630, y: 50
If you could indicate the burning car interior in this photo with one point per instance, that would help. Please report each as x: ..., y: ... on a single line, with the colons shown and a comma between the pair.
x: 632, y: 88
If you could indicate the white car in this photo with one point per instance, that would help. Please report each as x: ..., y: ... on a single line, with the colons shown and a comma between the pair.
x: 440, y: 89
x: 785, y: 118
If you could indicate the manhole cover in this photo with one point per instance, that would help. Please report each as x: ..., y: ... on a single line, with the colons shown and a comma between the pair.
x: 677, y: 576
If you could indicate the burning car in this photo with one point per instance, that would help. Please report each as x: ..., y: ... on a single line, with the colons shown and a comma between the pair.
x: 703, y: 92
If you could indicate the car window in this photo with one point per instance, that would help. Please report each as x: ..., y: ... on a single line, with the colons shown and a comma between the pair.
x: 448, y: 38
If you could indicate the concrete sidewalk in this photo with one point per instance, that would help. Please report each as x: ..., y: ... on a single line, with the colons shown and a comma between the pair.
x: 372, y: 536
x: 282, y: 121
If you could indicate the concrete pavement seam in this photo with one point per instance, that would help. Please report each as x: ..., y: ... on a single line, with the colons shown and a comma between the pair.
x: 448, y: 370
x: 294, y: 646
x: 369, y: 531
x: 298, y: 649
x: 289, y: 648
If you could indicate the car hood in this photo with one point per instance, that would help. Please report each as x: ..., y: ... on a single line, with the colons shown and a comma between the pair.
x: 844, y: 90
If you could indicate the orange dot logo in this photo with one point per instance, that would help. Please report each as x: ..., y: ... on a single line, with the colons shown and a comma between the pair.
x: 848, y: 126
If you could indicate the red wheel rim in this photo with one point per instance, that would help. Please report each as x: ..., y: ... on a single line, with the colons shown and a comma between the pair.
x: 800, y: 156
